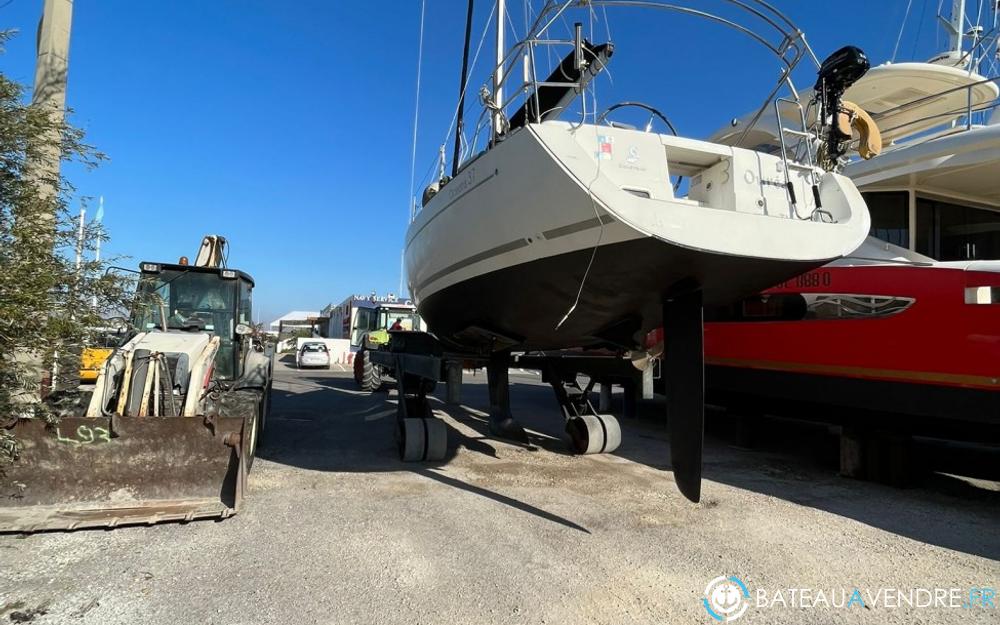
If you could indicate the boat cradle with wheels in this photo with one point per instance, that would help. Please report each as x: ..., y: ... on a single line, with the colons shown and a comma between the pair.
x: 418, y: 361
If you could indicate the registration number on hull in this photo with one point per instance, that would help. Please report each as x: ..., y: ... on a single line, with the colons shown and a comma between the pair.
x: 818, y: 278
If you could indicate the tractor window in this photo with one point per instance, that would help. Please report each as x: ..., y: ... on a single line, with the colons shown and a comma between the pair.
x: 407, y: 320
x: 191, y: 301
x: 245, y: 311
x: 361, y: 318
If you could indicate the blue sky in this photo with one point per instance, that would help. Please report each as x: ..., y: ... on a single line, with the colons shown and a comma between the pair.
x: 287, y: 126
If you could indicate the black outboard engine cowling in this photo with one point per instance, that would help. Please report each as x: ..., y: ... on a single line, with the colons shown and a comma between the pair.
x: 838, y: 72
x: 842, y: 69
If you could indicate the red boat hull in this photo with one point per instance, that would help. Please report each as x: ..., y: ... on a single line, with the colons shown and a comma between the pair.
x: 906, y: 342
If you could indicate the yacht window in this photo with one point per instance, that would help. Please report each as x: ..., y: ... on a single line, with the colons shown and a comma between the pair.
x: 947, y: 231
x: 890, y: 213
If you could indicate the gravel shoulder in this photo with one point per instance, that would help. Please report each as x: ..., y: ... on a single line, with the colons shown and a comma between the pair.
x: 336, y: 530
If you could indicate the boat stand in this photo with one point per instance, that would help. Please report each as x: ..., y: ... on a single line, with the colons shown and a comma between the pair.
x: 502, y: 422
x: 684, y: 371
x: 414, y: 360
x: 882, y: 456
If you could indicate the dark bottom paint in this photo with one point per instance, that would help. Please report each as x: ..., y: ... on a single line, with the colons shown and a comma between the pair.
x: 622, y: 295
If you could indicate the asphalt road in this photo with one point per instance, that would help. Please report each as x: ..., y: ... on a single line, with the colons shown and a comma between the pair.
x: 337, y: 530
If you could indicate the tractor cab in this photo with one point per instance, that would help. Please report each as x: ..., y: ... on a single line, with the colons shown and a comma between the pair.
x: 189, y: 298
x: 374, y: 320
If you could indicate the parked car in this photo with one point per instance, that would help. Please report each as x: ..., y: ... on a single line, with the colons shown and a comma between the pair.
x: 312, y: 354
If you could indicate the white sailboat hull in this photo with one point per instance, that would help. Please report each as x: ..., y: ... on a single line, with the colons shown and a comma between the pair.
x: 555, y: 210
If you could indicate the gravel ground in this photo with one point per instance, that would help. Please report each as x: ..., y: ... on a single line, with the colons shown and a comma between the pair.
x: 337, y: 530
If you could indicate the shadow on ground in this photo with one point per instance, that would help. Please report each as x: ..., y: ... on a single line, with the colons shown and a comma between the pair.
x: 324, y: 423
x: 798, y: 461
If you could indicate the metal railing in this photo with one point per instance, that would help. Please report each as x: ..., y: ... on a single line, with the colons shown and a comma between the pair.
x: 969, y: 110
x: 760, y: 22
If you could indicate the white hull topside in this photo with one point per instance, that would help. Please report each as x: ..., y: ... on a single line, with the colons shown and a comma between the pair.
x: 547, y: 189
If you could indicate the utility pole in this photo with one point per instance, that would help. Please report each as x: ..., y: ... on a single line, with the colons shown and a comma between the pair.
x: 97, y: 251
x: 51, y: 69
x: 49, y: 95
x: 79, y: 240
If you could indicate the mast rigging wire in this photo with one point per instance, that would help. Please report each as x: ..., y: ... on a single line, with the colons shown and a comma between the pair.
x: 920, y: 24
x: 416, y: 111
x: 411, y: 199
x: 902, y: 26
x: 600, y: 233
x: 475, y: 58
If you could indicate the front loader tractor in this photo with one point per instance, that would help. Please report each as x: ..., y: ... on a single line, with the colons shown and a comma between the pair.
x: 171, y: 428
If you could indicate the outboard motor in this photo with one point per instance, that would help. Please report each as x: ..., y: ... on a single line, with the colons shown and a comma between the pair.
x: 838, y: 72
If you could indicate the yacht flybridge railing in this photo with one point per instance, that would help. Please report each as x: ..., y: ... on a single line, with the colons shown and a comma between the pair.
x: 506, y: 87
x: 966, y: 113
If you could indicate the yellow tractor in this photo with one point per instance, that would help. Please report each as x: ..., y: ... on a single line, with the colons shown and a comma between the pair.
x: 101, y: 345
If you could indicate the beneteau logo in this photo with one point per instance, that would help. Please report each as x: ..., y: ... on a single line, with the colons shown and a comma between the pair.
x: 726, y: 598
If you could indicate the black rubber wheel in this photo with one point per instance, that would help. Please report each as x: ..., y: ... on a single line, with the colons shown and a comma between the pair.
x: 370, y: 376
x: 267, y: 401
x: 265, y: 412
x: 422, y: 439
x: 252, y: 438
x: 358, y: 366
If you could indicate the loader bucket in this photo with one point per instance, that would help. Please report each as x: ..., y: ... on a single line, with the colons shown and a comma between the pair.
x: 106, y: 472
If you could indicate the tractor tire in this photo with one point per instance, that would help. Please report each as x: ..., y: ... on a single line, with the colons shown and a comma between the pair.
x: 367, y: 375
x: 252, y: 438
x: 267, y: 399
x: 265, y: 412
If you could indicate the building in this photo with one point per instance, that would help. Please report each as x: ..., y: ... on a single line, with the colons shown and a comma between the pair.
x: 296, y: 319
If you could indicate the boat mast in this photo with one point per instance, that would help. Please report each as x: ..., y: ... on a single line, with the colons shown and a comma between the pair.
x: 498, y: 75
x: 955, y: 27
x: 460, y: 124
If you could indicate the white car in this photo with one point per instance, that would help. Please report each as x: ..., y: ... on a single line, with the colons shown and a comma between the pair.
x: 312, y: 354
